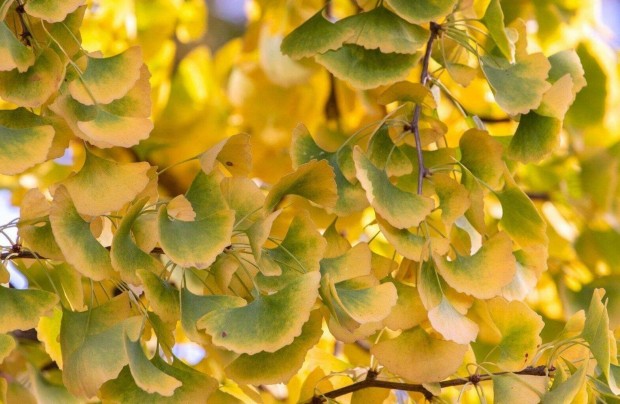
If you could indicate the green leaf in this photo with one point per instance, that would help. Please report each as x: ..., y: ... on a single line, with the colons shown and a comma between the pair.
x: 482, y: 155
x: 196, y: 386
x: 435, y: 359
x: 351, y: 264
x: 233, y: 153
x: 400, y: 208
x: 483, y: 274
x: 13, y: 54
x: 102, y: 185
x: 367, y: 68
x: 406, y: 91
x: 422, y: 11
x: 36, y: 85
x: 304, y: 42
x: 7, y: 344
x: 244, y: 197
x: 145, y: 374
x: 75, y: 239
x: 366, y: 304
x: 567, y: 62
x: 524, y: 389
x: 381, y: 29
x: 52, y: 10
x: 313, y: 180
x: 48, y: 392
x: 453, y: 198
x: 406, y: 243
x: 162, y: 297
x: 107, y: 79
x: 92, y: 344
x: 126, y: 257
x: 382, y: 152
x: 26, y: 141
x: 518, y: 87
x: 281, y: 365
x: 494, y: 20
x: 21, y: 309
x: 520, y: 219
x: 590, y: 104
x: 243, y: 330
x: 566, y: 391
x: 536, y: 137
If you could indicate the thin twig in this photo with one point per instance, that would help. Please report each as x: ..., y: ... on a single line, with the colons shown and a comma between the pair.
x: 415, y: 121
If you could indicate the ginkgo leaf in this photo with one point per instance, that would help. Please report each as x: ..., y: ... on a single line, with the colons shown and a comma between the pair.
x: 400, y: 208
x: 566, y: 391
x: 107, y: 129
x: 34, y: 227
x: 21, y: 309
x: 596, y: 334
x: 435, y: 359
x: 197, y: 243
x: 536, y: 137
x: 259, y: 232
x: 179, y: 208
x: 13, y: 53
x: 233, y: 153
x: 313, y: 181
x: 52, y: 10
x: 494, y: 20
x: 525, y: 389
x: 453, y: 198
x: 243, y: 330
x: 381, y: 29
x: 367, y: 68
x: 557, y: 100
x: 23, y: 148
x: 92, y: 344
x: 368, y: 304
x: 79, y: 246
x: 422, y: 11
x: 163, y: 297
x: 281, y: 365
x: 137, y: 102
x: 244, y: 197
x: 353, y: 263
x: 103, y: 185
x: 48, y: 330
x: 531, y: 263
x: 408, y: 311
x: 483, y: 274
x: 37, y: 84
x: 303, y: 41
x: 145, y: 374
x: 205, y: 195
x: 107, y: 79
x: 482, y: 155
x: 196, y: 386
x: 518, y: 330
x: 193, y: 307
x: 451, y: 323
x: 406, y: 91
x: 406, y: 243
x: 520, y: 219
x: 567, y: 62
x: 518, y: 87
x: 382, y: 152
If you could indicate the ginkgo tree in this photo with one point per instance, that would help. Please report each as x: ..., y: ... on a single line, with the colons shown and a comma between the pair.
x: 399, y: 200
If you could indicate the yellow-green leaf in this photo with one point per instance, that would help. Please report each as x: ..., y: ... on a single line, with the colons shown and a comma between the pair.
x: 13, y: 54
x: 452, y: 323
x: 243, y: 330
x: 162, y: 297
x: 453, y: 198
x: 524, y: 389
x: 51, y: 10
x: 48, y: 331
x: 34, y: 226
x: 400, y: 208
x: 21, y: 309
x: 7, y: 344
x: 482, y: 155
x: 434, y: 359
x: 382, y: 152
x: 494, y: 20
x: 408, y: 311
x: 421, y: 11
x: 233, y: 153
x: 520, y: 219
x: 406, y: 91
x: 566, y: 391
x: 483, y: 274
x: 536, y: 137
x: 406, y: 243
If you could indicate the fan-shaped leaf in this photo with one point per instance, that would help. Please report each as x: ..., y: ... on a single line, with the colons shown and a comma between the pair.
x: 451, y: 323
x: 244, y: 197
x: 76, y: 241
x: 483, y: 274
x: 435, y: 359
x: 453, y: 198
x: 535, y: 138
x: 13, y: 54
x: 233, y: 153
x: 7, y: 344
x: 21, y: 309
x: 243, y: 330
x: 281, y: 365
x: 163, y: 298
x: 107, y: 79
x: 406, y: 243
x: 520, y: 219
x: 36, y: 85
x: 145, y: 374
x: 406, y: 91
x: 408, y: 311
x: 382, y: 152
x: 525, y: 389
x: 52, y: 10
x: 482, y: 155
x: 367, y: 68
x: 400, y: 208
x: 494, y: 20
x: 422, y: 11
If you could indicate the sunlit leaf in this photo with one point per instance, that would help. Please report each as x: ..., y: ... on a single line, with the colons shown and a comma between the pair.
x: 78, y: 245
x: 453, y: 198
x: 244, y: 197
x: 406, y: 243
x: 408, y: 311
x: 400, y: 208
x: 435, y: 359
x: 48, y: 331
x: 92, y: 344
x: 422, y: 11
x: 381, y: 29
x: 382, y: 152
x: 452, y: 324
x: 304, y: 42
x: 313, y: 180
x: 179, y: 208
x: 520, y: 219
x: 406, y: 91
x: 535, y: 138
x: 494, y: 20
x: 36, y: 85
x: 34, y: 227
x: 107, y: 79
x: 367, y: 68
x: 7, y: 344
x: 162, y: 297
x: 525, y: 389
x: 51, y: 11
x: 233, y: 153
x: 13, y: 54
x: 102, y: 185
x: 482, y: 155
x: 591, y: 102
x: 567, y: 62
x: 242, y: 329
x: 484, y: 273
x: 531, y: 263
x: 518, y: 87
x: 365, y: 304
x: 281, y: 365
x: 351, y: 264
x: 145, y: 374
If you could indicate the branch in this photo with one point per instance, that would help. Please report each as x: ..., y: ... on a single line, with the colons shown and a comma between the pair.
x: 372, y: 381
x: 415, y: 121
x: 16, y: 253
